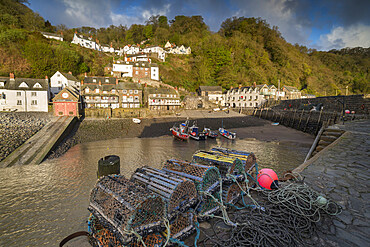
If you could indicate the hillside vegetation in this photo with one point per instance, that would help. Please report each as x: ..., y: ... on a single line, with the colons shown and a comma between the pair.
x: 243, y: 51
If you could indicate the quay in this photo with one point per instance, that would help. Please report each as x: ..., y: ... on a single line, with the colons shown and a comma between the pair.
x: 341, y: 172
x: 35, y: 149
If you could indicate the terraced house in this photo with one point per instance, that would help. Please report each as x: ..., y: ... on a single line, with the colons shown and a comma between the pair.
x: 244, y: 97
x: 161, y: 98
x: 24, y: 94
x: 100, y: 92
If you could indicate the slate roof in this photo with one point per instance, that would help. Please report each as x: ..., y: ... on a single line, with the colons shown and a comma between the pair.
x: 52, y: 34
x: 152, y: 90
x: 210, y: 88
x: 291, y: 89
x: 14, y: 84
x: 90, y: 80
x: 73, y: 95
x: 69, y: 76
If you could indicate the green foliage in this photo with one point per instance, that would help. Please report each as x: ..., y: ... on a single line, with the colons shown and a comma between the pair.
x: 9, y: 36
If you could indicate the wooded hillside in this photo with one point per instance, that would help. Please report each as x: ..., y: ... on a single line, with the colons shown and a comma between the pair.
x: 243, y: 51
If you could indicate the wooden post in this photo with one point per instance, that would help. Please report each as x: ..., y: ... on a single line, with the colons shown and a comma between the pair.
x: 266, y: 117
x: 318, y: 121
x: 260, y: 113
x: 300, y: 119
x: 292, y: 125
x: 273, y: 115
x: 308, y: 120
x: 314, y: 144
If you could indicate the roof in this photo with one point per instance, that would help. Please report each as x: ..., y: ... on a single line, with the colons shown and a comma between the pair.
x: 31, y: 84
x: 210, y: 88
x: 153, y: 90
x: 73, y: 95
x: 291, y: 89
x: 69, y: 76
x: 90, y: 80
x: 129, y: 85
x: 52, y: 34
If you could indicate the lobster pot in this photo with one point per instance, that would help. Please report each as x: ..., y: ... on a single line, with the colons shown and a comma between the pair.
x: 248, y: 159
x: 206, y: 178
x: 182, y: 226
x: 122, y: 206
x: 226, y: 164
x: 106, y: 238
x: 231, y: 192
x: 176, y: 191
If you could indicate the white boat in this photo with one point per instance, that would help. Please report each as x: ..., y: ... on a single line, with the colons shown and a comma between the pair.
x: 136, y: 120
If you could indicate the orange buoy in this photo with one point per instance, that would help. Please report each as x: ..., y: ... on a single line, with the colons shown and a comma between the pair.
x: 268, y: 179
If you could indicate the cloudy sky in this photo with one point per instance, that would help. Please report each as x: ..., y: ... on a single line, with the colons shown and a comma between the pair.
x: 319, y: 24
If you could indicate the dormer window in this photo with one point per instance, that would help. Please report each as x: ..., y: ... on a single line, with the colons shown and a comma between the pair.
x: 87, y: 90
x: 23, y: 84
x: 97, y: 90
x: 106, y: 80
x: 2, y: 84
x: 37, y: 85
x: 104, y: 91
x: 113, y: 90
x: 94, y: 80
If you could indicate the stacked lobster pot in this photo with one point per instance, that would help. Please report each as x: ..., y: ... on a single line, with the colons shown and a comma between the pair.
x: 179, y: 194
x: 233, y: 166
x: 206, y: 178
x: 122, y: 210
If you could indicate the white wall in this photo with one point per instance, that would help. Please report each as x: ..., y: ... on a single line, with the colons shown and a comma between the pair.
x: 154, y: 73
x: 126, y: 69
x: 26, y: 99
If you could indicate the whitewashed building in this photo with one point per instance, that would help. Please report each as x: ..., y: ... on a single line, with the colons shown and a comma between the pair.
x: 52, y: 36
x: 161, y: 98
x: 122, y: 69
x: 244, y: 97
x: 24, y: 94
x: 86, y: 42
x: 211, y: 93
x: 61, y: 80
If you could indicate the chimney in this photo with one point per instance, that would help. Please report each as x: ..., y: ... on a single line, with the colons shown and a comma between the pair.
x: 240, y: 86
x: 70, y: 72
x: 116, y: 81
x: 61, y: 33
x: 46, y: 77
x: 176, y: 88
x: 145, y: 85
x: 82, y: 83
x: 231, y: 87
x: 85, y: 74
x: 254, y: 84
x: 111, y: 45
x: 75, y: 31
x: 11, y: 76
x: 99, y: 82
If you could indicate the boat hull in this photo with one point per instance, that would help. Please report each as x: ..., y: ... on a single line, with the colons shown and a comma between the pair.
x: 179, y: 135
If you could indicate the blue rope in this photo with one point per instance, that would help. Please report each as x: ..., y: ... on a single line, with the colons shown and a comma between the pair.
x: 176, y: 241
x: 198, y: 234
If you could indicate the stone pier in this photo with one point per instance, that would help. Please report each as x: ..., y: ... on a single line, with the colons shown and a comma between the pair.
x: 341, y: 172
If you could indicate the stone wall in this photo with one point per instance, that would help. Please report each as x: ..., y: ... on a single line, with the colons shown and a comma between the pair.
x: 358, y: 103
x: 125, y: 113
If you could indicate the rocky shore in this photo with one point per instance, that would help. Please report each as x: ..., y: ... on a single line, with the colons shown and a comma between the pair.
x: 16, y: 128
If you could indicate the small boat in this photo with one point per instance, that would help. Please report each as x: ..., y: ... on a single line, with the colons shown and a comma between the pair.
x: 180, y: 131
x: 136, y: 120
x: 227, y: 134
x: 209, y: 133
x: 274, y: 123
x: 195, y: 134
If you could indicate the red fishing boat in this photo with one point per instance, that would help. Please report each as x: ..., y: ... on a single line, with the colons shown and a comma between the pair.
x: 180, y: 131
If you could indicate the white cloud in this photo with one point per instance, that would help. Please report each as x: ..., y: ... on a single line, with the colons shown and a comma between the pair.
x: 280, y: 13
x: 93, y: 13
x: 341, y: 37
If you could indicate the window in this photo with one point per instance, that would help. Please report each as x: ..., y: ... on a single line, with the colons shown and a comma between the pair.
x: 58, y: 75
x: 19, y: 102
x: 137, y: 72
x: 97, y: 90
x: 153, y: 75
x: 124, y: 91
x: 33, y: 94
x: 59, y: 82
x: 105, y: 92
x: 136, y: 98
x: 113, y: 90
x: 2, y: 84
x: 19, y: 93
x: 130, y: 91
x: 256, y: 97
x: 60, y: 113
x: 34, y: 102
x: 251, y: 104
x: 136, y: 91
x: 146, y: 73
x: 146, y: 68
x: 106, y: 80
x: 87, y: 90
x: 94, y: 80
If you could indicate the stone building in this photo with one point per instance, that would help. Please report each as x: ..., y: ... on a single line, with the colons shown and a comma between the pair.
x: 161, y: 98
x: 130, y: 94
x: 67, y: 103
x: 24, y: 94
x: 100, y: 92
x: 136, y: 70
x: 211, y: 93
x: 291, y: 93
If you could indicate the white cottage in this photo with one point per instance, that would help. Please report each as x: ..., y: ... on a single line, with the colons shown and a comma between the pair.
x: 24, y: 94
x: 86, y: 42
x: 61, y: 80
